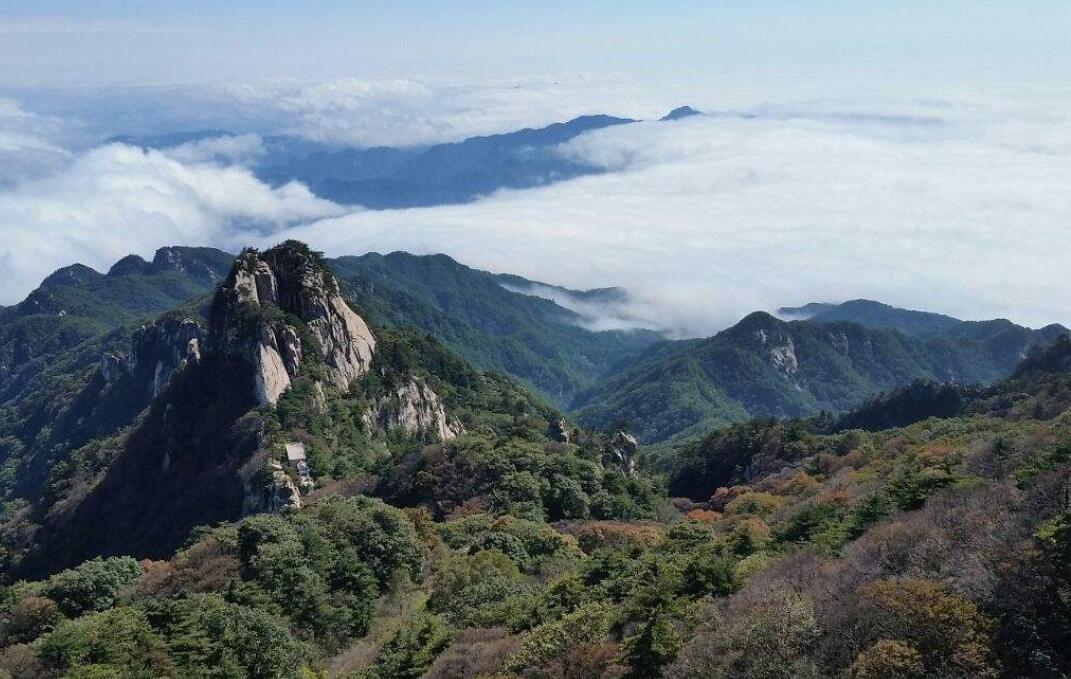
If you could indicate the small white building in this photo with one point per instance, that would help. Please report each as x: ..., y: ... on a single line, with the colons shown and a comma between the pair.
x: 295, y: 455
x: 295, y: 452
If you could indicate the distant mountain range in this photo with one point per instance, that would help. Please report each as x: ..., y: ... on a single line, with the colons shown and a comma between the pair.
x: 763, y: 366
x: 388, y: 177
x: 76, y: 304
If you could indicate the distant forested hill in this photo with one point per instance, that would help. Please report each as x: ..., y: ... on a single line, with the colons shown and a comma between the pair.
x: 767, y: 367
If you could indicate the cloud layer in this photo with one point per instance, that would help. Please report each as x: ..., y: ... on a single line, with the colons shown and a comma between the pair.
x: 957, y: 205
x: 960, y: 208
x: 97, y: 206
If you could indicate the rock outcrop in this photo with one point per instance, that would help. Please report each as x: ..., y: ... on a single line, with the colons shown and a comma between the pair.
x: 158, y: 350
x: 278, y: 494
x: 621, y: 452
x: 197, y: 263
x: 291, y: 279
x: 112, y: 367
x: 270, y: 376
x: 558, y: 430
x: 417, y: 409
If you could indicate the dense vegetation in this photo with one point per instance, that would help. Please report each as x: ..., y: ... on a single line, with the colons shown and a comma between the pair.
x: 532, y: 339
x: 927, y: 533
x: 936, y: 550
x: 766, y: 367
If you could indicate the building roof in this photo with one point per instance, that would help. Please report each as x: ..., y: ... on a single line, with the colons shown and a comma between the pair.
x: 295, y: 451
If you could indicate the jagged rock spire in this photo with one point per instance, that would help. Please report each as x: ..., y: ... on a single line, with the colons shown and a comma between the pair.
x: 292, y: 278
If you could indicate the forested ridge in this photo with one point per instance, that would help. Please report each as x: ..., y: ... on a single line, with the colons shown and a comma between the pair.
x: 456, y: 524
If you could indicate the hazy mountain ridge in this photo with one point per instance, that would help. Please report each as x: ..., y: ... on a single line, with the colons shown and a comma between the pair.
x: 382, y: 178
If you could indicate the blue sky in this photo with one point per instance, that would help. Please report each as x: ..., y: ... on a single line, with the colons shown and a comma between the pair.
x: 911, y: 41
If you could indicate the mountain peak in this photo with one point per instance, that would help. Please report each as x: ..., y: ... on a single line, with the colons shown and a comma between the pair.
x: 130, y: 264
x: 681, y: 112
x: 293, y: 279
x: 758, y: 319
x: 75, y: 275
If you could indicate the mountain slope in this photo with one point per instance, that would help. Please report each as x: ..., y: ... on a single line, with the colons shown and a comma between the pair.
x: 766, y: 367
x: 529, y: 337
x: 126, y: 441
x: 937, y: 549
x: 77, y: 303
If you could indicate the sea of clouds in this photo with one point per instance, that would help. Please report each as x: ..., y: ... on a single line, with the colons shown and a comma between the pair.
x: 956, y: 204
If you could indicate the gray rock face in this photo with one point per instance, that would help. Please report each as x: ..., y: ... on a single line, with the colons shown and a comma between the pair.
x: 621, y: 452
x: 290, y: 278
x: 558, y: 430
x: 417, y: 409
x: 780, y: 350
x: 112, y: 367
x: 270, y: 376
x: 278, y: 494
x: 158, y: 350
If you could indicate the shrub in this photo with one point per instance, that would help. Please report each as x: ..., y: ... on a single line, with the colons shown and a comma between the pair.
x: 655, y: 646
x: 594, y: 535
x: 118, y: 643
x: 949, y: 633
x: 31, y: 617
x: 210, y: 637
x: 888, y: 659
x: 92, y: 586
x: 757, y: 503
x: 587, y: 624
x: 411, y: 650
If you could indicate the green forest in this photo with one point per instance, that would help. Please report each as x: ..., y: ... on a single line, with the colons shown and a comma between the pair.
x: 885, y: 522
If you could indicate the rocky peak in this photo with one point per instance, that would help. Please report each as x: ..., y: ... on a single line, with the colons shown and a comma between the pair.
x: 769, y: 337
x: 129, y: 265
x: 292, y: 279
x: 75, y: 275
x: 158, y: 350
x: 204, y: 264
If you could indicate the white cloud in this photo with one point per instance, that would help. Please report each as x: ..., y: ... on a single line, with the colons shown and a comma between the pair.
x: 407, y: 112
x: 956, y: 205
x: 243, y: 148
x: 363, y: 112
x: 116, y: 199
x: 27, y: 144
x: 951, y: 207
